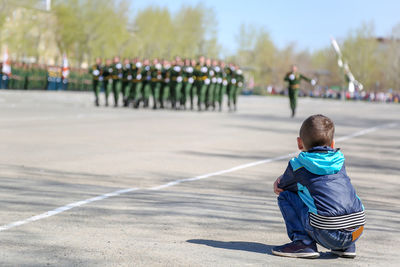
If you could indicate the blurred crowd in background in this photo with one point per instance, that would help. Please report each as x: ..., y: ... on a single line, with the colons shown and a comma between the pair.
x: 28, y: 76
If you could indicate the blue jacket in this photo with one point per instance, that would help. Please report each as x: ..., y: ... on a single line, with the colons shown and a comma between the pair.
x: 320, y: 179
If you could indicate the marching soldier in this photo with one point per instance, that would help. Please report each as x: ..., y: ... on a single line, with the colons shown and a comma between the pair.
x: 218, y: 92
x: 97, y: 79
x: 239, y: 85
x: 145, y: 83
x: 294, y: 78
x: 230, y: 88
x: 136, y: 80
x: 209, y: 98
x: 202, y: 81
x: 116, y: 79
x: 156, y: 79
x: 166, y: 77
x: 108, y: 78
x: 188, y: 79
x: 126, y: 81
x: 192, y: 81
x: 176, y: 81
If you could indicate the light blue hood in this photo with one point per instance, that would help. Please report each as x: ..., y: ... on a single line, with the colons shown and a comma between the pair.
x: 329, y: 162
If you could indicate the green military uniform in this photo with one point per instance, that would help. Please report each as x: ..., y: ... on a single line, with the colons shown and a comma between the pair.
x: 166, y: 78
x: 107, y: 76
x: 209, y: 97
x: 38, y: 77
x: 188, y: 80
x: 25, y: 75
x: 144, y: 88
x: 175, y: 84
x: 218, y: 87
x: 155, y: 83
x: 239, y: 86
x: 126, y: 83
x: 201, y: 83
x: 294, y: 80
x: 97, y: 79
x: 116, y: 81
x: 15, y: 79
x: 231, y: 86
x: 136, y: 82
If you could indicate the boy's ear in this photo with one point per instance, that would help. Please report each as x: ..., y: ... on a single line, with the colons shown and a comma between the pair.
x: 333, y: 144
x: 300, y: 144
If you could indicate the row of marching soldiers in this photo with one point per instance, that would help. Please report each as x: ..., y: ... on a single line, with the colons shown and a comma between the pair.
x: 203, y: 82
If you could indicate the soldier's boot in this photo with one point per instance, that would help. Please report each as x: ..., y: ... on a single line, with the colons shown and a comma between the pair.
x: 96, y: 102
x: 136, y: 103
x: 115, y: 102
x: 126, y: 102
x: 146, y: 103
x: 293, y: 112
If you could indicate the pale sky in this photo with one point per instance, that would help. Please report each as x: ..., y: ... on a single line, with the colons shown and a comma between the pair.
x: 308, y: 23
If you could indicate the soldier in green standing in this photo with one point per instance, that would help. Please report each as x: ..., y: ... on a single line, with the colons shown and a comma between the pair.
x: 26, y: 76
x: 294, y: 78
x: 97, y: 79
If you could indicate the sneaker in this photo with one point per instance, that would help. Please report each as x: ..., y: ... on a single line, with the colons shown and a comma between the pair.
x: 297, y: 249
x: 349, y: 252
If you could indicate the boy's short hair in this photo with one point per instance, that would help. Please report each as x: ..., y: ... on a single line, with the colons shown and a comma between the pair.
x: 317, y: 130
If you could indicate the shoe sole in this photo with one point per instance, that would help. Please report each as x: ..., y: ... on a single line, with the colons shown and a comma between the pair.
x: 350, y: 255
x: 309, y: 255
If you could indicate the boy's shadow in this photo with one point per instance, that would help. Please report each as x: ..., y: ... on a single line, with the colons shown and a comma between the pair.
x: 248, y: 246
x: 235, y: 245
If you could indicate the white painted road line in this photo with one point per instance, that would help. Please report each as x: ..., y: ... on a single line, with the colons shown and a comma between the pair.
x: 176, y: 182
x: 204, y: 176
x: 65, y: 208
x: 366, y: 131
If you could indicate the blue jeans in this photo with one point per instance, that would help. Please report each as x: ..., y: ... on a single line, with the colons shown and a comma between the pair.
x: 295, y: 214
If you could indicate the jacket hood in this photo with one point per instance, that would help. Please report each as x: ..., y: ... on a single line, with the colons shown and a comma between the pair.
x: 319, y: 160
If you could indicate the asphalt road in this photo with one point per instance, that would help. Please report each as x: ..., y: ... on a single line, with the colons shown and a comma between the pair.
x: 61, y: 154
